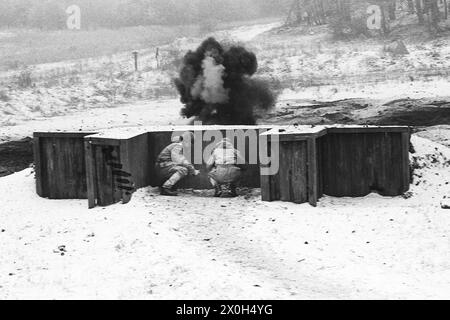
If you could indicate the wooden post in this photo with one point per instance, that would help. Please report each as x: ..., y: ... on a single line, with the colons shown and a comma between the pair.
x: 419, y: 11
x: 445, y: 10
x: 157, y: 58
x: 135, y: 54
x: 312, y: 172
x: 125, y: 162
x: 90, y: 174
x: 406, y: 137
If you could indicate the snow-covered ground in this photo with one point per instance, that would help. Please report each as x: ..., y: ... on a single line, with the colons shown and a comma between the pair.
x: 199, y: 247
x: 384, y: 91
x: 159, y: 112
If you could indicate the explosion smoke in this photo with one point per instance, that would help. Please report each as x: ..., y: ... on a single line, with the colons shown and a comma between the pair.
x: 216, y: 87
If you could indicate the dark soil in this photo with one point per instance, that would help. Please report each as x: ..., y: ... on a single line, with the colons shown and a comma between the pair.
x: 418, y: 113
x: 15, y: 156
x: 427, y: 116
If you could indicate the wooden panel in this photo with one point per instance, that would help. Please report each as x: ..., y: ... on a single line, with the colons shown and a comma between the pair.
x: 286, y: 156
x: 325, y: 165
x: 138, y: 155
x: 63, y: 171
x: 354, y: 158
x: 394, y: 165
x: 330, y: 165
x: 382, y: 152
x: 60, y: 165
x: 354, y: 164
x: 90, y: 175
x: 299, y: 175
x: 107, y: 191
x: 275, y: 187
x: 405, y: 161
x: 291, y: 184
x: 312, y: 171
x: 361, y: 177
x: 319, y: 156
x: 270, y: 185
x: 38, y: 166
x: 51, y: 170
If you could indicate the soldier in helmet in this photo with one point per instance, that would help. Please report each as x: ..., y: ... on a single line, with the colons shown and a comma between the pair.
x: 225, y: 167
x: 172, y: 166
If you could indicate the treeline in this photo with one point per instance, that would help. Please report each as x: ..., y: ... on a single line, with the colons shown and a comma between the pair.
x: 51, y: 14
x: 352, y: 14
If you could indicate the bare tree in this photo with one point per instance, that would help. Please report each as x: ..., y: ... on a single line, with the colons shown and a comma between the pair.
x: 411, y: 8
x: 392, y: 6
x: 445, y: 10
x: 419, y: 11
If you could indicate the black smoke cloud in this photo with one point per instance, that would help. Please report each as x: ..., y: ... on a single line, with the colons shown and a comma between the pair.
x: 216, y: 85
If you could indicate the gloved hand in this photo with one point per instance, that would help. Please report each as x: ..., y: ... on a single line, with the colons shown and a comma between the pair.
x: 196, y: 172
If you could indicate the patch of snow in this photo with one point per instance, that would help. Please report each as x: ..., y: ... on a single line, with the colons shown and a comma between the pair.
x: 247, y: 33
x: 383, y: 91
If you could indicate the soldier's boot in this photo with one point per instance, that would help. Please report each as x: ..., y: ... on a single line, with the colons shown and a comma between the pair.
x: 166, y: 189
x: 217, y: 192
x: 167, y: 192
x: 217, y: 188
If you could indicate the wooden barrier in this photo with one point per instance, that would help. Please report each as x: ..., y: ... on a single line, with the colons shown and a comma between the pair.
x: 136, y: 152
x: 298, y: 179
x: 358, y: 161
x: 336, y: 161
x: 110, y: 160
x: 60, y: 165
x: 350, y: 161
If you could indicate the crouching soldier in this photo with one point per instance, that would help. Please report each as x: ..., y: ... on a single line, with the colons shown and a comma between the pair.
x: 225, y: 167
x: 172, y: 166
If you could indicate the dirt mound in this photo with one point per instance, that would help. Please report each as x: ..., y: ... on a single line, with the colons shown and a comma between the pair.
x: 422, y: 113
x: 427, y: 116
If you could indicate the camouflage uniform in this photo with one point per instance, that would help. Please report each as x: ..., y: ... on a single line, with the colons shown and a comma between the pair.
x: 224, y: 165
x: 172, y: 166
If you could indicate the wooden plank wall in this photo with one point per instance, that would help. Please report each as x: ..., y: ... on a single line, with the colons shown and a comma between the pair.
x: 106, y: 187
x: 356, y: 164
x: 270, y: 184
x: 298, y: 178
x: 294, y: 171
x: 343, y: 163
x: 159, y: 140
x: 319, y: 161
x: 139, y: 159
x: 129, y: 156
x: 60, y: 166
